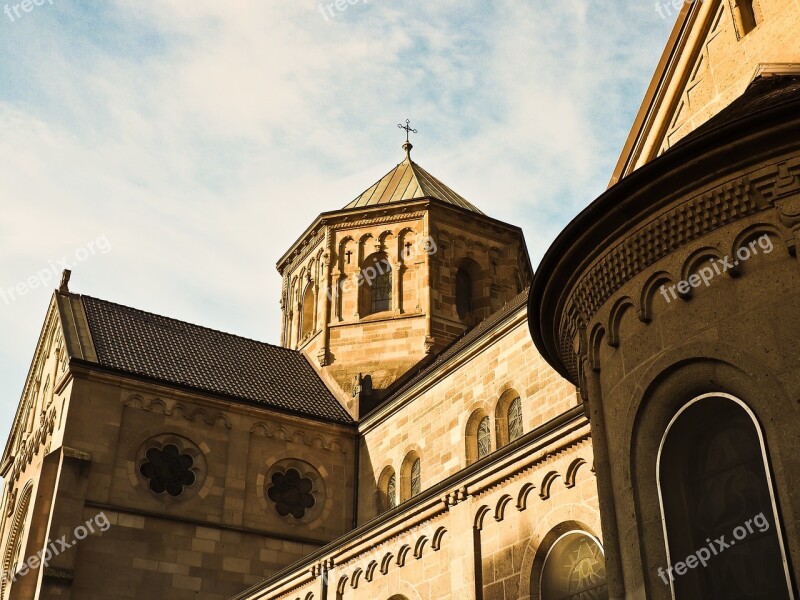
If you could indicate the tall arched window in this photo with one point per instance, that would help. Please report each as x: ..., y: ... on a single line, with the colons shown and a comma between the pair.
x: 307, y: 316
x: 463, y: 294
x: 508, y: 418
x: 515, y: 429
x: 715, y: 484
x: 416, y: 478
x: 410, y: 477
x: 376, y: 284
x: 574, y: 569
x: 478, y: 438
x: 387, y: 490
x: 467, y: 281
x: 484, y: 438
x: 391, y: 492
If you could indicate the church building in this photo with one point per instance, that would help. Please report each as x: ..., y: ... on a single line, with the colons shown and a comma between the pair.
x: 439, y: 421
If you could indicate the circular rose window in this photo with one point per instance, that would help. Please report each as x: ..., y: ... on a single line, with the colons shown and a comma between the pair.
x: 171, y: 466
x: 168, y: 470
x: 291, y: 493
x: 294, y: 489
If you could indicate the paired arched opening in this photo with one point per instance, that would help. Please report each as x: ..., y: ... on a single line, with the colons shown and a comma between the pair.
x: 376, y: 284
x: 721, y: 524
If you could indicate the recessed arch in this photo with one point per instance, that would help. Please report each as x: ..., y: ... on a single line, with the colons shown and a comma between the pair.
x: 509, y: 422
x: 714, y: 479
x: 547, y: 483
x: 477, y: 436
x: 375, y: 284
x: 467, y: 292
x: 615, y: 319
x: 308, y: 311
x: 500, y: 509
x: 572, y: 472
x: 570, y: 566
x: 522, y: 497
x: 387, y: 489
x: 411, y: 476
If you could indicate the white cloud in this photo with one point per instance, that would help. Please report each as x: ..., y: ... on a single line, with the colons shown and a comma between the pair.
x: 203, y: 137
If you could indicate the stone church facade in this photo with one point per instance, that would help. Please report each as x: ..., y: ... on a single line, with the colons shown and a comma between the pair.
x: 440, y: 423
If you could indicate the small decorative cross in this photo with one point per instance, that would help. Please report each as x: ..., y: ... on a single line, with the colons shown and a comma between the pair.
x: 408, y: 128
x: 408, y: 248
x: 347, y: 254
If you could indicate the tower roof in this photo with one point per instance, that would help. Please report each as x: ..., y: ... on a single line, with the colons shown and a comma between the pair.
x: 408, y: 181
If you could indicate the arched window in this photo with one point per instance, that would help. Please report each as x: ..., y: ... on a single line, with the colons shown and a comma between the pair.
x: 391, y: 492
x: 416, y: 478
x: 410, y: 477
x: 508, y: 418
x: 307, y: 316
x: 467, y: 282
x: 463, y: 294
x: 387, y: 490
x: 478, y: 436
x: 484, y: 438
x: 515, y: 429
x: 715, y: 484
x: 574, y: 569
x: 376, y: 284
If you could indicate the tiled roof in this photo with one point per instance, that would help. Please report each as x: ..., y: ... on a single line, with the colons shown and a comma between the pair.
x: 464, y: 342
x: 408, y: 181
x: 176, y: 352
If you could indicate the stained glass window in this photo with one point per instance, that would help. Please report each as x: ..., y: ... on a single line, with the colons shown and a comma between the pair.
x: 416, y: 478
x: 575, y: 569
x: 515, y: 429
x: 484, y: 438
x: 376, y: 279
x: 713, y: 480
x: 391, y: 492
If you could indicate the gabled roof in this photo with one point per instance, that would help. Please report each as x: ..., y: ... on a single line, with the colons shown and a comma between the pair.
x: 176, y: 352
x: 408, y: 181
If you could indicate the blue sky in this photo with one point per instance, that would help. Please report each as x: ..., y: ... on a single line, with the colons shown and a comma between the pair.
x: 171, y: 151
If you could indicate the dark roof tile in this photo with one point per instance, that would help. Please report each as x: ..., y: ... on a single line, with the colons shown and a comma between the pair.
x: 177, y: 352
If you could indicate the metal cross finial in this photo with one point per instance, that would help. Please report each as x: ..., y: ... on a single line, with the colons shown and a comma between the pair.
x: 408, y: 128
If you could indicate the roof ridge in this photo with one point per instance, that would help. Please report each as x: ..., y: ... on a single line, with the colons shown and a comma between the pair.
x: 174, y: 320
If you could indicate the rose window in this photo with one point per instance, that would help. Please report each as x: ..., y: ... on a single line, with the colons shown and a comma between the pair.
x: 168, y: 470
x: 291, y: 493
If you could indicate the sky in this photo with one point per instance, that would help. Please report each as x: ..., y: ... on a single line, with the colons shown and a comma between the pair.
x: 169, y: 152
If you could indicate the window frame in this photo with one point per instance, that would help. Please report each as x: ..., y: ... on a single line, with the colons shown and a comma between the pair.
x: 765, y: 463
